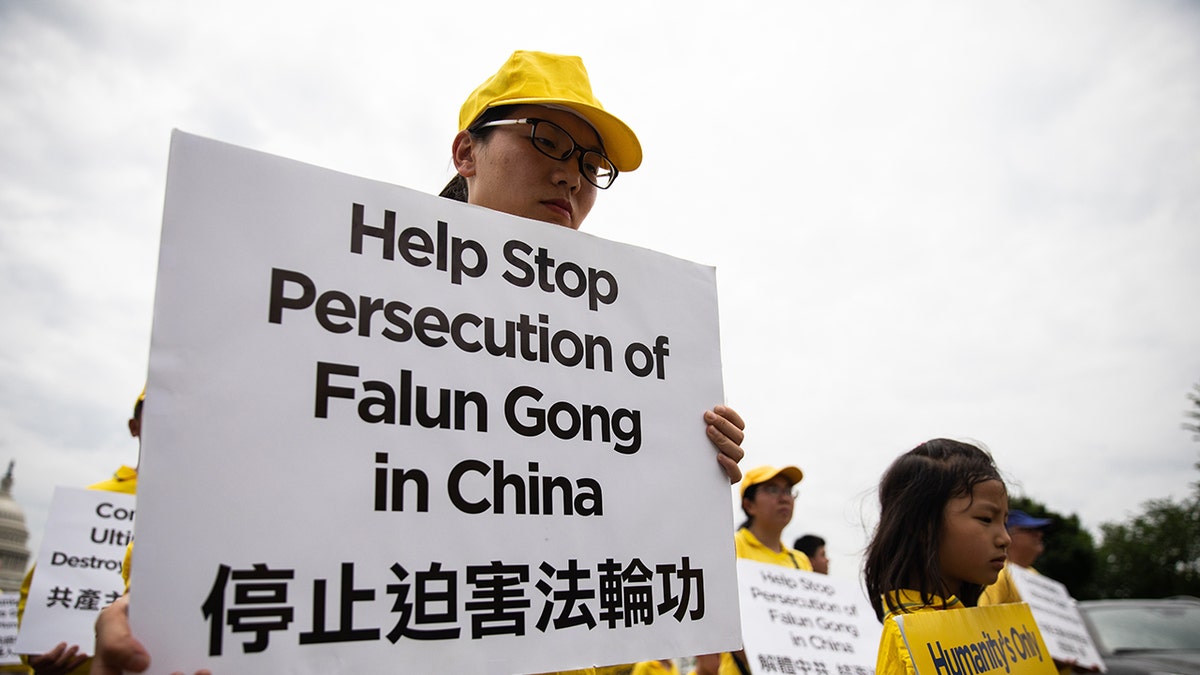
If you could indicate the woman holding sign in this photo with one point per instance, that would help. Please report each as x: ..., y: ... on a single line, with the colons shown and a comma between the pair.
x: 534, y: 142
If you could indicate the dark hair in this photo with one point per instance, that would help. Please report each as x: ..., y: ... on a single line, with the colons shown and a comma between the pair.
x: 808, y: 544
x: 903, y: 553
x: 456, y: 189
x: 748, y: 494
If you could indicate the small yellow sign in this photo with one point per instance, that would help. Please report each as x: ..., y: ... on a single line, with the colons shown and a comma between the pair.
x: 994, y: 640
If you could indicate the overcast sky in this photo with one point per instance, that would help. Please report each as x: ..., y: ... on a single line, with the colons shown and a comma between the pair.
x: 974, y: 220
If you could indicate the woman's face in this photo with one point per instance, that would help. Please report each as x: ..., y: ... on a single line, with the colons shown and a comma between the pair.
x: 506, y: 173
x: 772, y: 504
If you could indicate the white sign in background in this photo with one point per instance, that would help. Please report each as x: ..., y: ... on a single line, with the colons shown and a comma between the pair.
x: 795, y: 621
x: 8, y: 627
x: 339, y: 474
x: 78, y: 569
x: 1057, y: 618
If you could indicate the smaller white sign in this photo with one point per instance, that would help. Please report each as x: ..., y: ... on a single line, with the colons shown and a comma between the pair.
x: 795, y: 621
x: 78, y: 569
x: 1057, y: 617
x: 8, y: 628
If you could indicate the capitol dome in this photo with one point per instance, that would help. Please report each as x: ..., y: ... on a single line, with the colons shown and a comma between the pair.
x: 14, y: 554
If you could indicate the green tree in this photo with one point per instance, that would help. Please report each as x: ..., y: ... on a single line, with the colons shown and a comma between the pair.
x: 1156, y: 553
x: 1070, y: 556
x: 1193, y: 415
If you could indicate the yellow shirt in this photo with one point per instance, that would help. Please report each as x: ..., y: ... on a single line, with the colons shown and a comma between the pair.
x: 749, y: 547
x: 894, y: 658
x: 655, y: 668
x: 1004, y: 590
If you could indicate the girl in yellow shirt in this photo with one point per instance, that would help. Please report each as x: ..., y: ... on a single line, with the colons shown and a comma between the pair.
x: 940, y: 540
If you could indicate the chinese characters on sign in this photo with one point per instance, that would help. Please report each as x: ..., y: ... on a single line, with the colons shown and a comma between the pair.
x: 439, y: 603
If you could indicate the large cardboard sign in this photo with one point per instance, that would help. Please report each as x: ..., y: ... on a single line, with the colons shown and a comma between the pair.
x: 795, y: 621
x: 8, y: 628
x: 1057, y: 617
x: 78, y: 569
x: 976, y: 641
x: 387, y: 428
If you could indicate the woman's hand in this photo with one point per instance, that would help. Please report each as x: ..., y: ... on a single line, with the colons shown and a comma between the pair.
x: 116, y: 648
x: 58, y: 660
x: 725, y: 431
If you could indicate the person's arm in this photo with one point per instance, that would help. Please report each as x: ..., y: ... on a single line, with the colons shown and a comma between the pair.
x: 116, y: 648
x: 725, y: 430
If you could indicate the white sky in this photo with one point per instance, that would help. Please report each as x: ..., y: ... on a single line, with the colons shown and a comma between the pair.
x: 975, y: 220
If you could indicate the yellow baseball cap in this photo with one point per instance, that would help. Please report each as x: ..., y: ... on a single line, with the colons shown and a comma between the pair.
x: 538, y: 78
x: 762, y: 474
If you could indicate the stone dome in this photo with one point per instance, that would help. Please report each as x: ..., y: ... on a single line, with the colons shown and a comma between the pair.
x: 14, y: 554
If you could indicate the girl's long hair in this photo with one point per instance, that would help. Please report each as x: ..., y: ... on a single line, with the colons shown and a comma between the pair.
x: 913, y: 494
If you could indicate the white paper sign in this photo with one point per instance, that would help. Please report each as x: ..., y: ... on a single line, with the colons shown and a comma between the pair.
x: 8, y: 627
x: 1057, y: 617
x: 78, y: 569
x: 795, y: 621
x: 387, y: 428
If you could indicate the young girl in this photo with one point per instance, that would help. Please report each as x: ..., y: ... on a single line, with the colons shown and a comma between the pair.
x: 941, y: 538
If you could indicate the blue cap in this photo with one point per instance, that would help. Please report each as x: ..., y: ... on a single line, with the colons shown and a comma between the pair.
x: 1022, y: 519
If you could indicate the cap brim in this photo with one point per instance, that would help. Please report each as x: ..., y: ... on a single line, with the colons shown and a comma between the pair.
x: 792, y: 473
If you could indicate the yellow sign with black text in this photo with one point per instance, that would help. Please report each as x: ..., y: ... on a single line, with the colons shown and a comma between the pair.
x: 994, y: 640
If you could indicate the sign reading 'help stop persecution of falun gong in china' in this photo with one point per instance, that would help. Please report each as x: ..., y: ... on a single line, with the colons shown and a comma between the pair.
x: 796, y: 621
x: 387, y: 428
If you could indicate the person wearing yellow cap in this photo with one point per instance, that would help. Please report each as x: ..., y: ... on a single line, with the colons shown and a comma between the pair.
x: 533, y: 141
x: 768, y: 500
x: 67, y: 659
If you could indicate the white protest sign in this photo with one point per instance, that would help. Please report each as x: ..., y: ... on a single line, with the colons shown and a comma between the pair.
x: 8, y: 627
x: 1057, y: 617
x: 78, y: 569
x: 795, y: 621
x: 383, y: 427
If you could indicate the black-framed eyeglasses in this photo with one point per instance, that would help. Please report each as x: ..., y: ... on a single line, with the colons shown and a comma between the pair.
x: 553, y: 141
x: 779, y: 490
